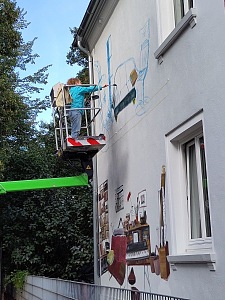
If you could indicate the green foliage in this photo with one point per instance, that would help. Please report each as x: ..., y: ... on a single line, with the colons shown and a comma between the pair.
x: 17, y: 278
x: 10, y: 40
x: 46, y: 232
x: 17, y: 110
x: 76, y: 56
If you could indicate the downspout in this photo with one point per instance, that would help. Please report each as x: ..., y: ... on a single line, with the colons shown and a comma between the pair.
x: 95, y: 178
x: 90, y: 60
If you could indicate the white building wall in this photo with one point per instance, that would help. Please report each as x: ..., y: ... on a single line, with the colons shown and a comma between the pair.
x: 190, y: 79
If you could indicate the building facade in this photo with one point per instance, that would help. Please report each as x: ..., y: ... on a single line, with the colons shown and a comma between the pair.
x: 160, y: 177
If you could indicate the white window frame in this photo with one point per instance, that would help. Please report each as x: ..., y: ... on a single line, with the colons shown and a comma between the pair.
x: 168, y: 31
x: 184, y: 249
x: 186, y: 7
x: 203, y: 241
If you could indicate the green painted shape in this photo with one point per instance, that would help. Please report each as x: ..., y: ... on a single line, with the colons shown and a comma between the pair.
x: 125, y: 102
x: 47, y: 183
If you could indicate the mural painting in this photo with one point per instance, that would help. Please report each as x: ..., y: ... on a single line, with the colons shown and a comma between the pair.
x: 103, y: 214
x: 130, y: 243
x: 130, y: 77
x: 127, y: 82
x: 119, y: 199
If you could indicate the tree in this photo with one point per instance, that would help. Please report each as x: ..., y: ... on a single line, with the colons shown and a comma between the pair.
x: 10, y: 40
x: 16, y: 112
x: 76, y: 56
x: 47, y: 232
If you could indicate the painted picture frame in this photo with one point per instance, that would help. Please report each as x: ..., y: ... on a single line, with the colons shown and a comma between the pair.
x: 142, y: 199
x: 119, y: 198
x: 103, y: 237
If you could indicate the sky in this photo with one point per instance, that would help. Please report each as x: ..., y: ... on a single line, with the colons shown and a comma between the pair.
x: 50, y: 21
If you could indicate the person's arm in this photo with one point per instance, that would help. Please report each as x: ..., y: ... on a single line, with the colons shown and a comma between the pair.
x: 92, y: 88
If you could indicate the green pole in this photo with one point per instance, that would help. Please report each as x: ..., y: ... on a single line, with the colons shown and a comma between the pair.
x: 35, y: 184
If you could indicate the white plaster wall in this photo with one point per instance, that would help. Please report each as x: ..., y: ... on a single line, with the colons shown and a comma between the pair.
x: 190, y: 78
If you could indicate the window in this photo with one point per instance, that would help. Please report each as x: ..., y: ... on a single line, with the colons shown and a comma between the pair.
x: 181, y: 7
x: 188, y: 188
x: 197, y: 190
x: 173, y: 17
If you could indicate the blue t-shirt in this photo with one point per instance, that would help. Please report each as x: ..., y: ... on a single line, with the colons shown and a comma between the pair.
x: 78, y: 92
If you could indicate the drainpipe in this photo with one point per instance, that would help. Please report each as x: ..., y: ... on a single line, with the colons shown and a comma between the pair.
x: 90, y: 60
x: 95, y: 179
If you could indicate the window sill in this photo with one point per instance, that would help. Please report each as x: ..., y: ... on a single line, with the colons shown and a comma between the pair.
x: 204, y: 258
x: 188, y: 19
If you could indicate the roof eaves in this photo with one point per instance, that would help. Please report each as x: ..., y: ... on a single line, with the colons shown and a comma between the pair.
x: 88, y: 21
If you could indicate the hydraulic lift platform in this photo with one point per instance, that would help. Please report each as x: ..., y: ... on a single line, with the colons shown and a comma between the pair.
x: 85, y: 147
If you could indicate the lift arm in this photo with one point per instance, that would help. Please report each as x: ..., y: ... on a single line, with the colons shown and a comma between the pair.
x: 36, y: 184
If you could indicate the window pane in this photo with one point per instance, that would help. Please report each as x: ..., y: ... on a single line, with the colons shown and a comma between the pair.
x: 190, y: 4
x: 205, y: 188
x: 178, y: 10
x: 193, y: 194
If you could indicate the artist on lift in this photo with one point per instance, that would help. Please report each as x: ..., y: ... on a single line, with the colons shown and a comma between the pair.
x: 77, y: 94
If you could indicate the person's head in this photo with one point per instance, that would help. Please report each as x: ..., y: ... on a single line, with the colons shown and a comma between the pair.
x: 73, y: 81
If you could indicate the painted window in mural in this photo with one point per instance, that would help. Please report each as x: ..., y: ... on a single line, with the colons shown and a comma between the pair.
x: 142, y: 199
x: 181, y: 7
x: 130, y: 241
x: 137, y: 231
x: 119, y: 198
x: 138, y: 245
x: 103, y: 225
